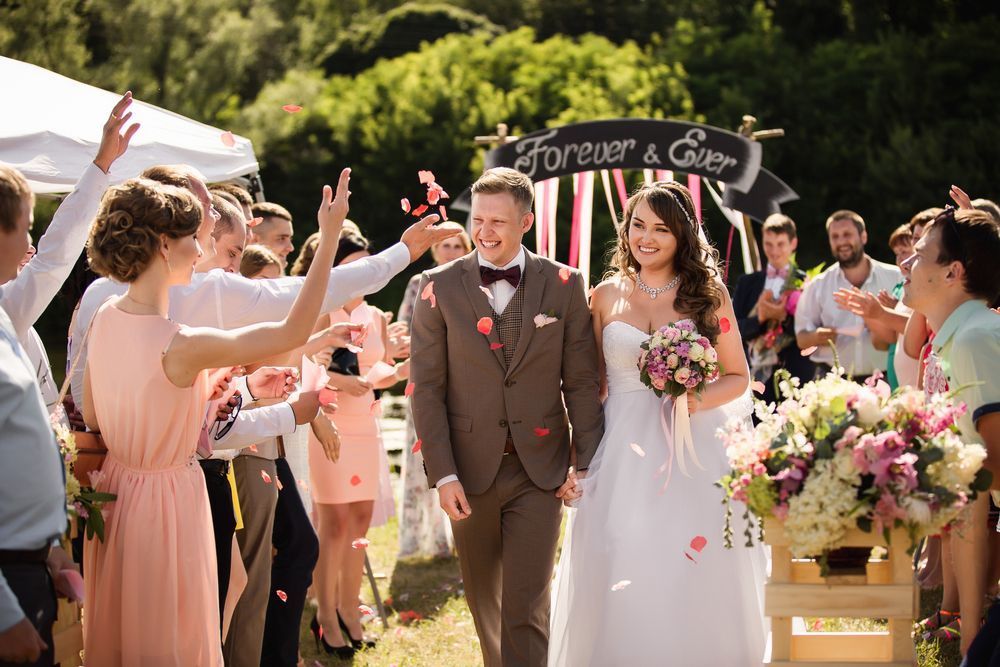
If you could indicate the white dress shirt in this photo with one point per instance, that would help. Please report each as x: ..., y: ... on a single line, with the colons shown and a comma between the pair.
x: 32, y: 489
x: 27, y: 296
x: 252, y: 423
x: 774, y: 284
x: 502, y: 292
x: 817, y: 309
x: 227, y: 300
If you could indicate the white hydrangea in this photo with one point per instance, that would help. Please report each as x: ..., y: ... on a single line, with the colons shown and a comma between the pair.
x: 820, y: 515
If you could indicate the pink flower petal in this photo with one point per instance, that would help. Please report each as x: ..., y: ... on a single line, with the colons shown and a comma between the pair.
x: 277, y: 483
x: 428, y: 294
x: 355, y: 480
x: 282, y: 595
x: 356, y: 349
x: 327, y: 396
x: 620, y: 585
x: 417, y: 446
x: 291, y: 108
x: 375, y: 409
x: 443, y: 211
x: 419, y: 211
x: 404, y: 204
x: 809, y: 350
x: 303, y: 485
x: 253, y: 448
x: 484, y: 326
x: 541, y: 432
x: 817, y: 626
x: 725, y: 325
x: 496, y: 346
x: 228, y: 139
x: 264, y: 476
x: 433, y: 196
x: 637, y: 449
x: 360, y: 543
x: 698, y: 543
x: 425, y: 176
x: 409, y: 389
x: 564, y: 275
x: 758, y: 386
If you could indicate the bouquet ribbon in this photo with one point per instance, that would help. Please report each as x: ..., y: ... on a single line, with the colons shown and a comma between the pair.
x: 680, y: 441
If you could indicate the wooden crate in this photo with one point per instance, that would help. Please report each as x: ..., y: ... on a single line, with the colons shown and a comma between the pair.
x: 887, y: 590
x: 67, y: 635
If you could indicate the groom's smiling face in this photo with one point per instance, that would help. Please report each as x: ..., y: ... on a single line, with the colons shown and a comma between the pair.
x: 498, y: 225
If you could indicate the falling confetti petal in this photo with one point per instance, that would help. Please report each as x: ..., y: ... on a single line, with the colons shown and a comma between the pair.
x: 817, y: 626
x: 419, y: 211
x: 564, y: 275
x: 375, y: 408
x: 809, y: 350
x: 428, y: 294
x: 698, y: 543
x: 409, y: 389
x: 387, y: 601
x: 425, y: 176
x: 690, y: 558
x: 496, y: 346
x: 724, y: 325
x: 327, y: 396
x: 417, y: 446
x: 355, y: 480
x: 484, y: 326
x: 264, y: 476
x: 637, y: 449
x: 541, y: 432
x: 303, y: 485
x: 282, y: 595
x: 253, y: 448
x: 399, y: 633
x: 487, y: 292
x: 292, y: 108
x: 360, y: 543
x: 356, y: 349
x: 228, y: 139
x: 758, y: 386
x: 443, y: 211
x: 277, y: 482
x: 404, y: 204
x: 433, y: 196
x: 620, y: 585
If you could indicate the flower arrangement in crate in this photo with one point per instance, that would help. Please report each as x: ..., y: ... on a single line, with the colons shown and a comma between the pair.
x: 835, y: 454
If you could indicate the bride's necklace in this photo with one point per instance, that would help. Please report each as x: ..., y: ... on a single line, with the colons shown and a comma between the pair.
x: 654, y: 292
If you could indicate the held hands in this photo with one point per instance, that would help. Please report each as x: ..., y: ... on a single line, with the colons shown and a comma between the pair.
x: 571, y: 491
x: 328, y: 437
x: 453, y: 501
x: 271, y: 382
x: 333, y: 211
x: 422, y: 234
x: 113, y: 142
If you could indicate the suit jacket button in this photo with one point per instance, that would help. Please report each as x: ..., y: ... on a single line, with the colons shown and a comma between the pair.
x: 503, y: 423
x: 509, y: 383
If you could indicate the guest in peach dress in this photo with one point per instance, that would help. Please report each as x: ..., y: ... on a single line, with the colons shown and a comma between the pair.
x: 345, y: 491
x: 151, y: 589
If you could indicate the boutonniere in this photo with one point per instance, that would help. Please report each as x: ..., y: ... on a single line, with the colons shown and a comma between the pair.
x: 545, y: 319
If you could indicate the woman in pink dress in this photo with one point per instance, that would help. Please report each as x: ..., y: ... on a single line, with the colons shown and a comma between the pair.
x: 151, y: 591
x: 344, y: 492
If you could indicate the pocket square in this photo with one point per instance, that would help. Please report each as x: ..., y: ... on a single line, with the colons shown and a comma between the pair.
x: 543, y: 320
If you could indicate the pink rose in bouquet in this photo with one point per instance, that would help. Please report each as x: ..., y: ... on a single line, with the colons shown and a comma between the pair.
x: 677, y: 359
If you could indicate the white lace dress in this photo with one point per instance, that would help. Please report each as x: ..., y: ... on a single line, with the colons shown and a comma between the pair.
x: 681, y: 606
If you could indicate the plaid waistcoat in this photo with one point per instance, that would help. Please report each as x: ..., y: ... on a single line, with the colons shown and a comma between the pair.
x: 508, y: 325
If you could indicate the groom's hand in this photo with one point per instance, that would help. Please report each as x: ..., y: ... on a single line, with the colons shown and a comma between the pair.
x: 571, y: 491
x: 453, y: 501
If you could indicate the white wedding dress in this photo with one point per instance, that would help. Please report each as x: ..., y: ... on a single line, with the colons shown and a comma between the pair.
x: 703, y: 608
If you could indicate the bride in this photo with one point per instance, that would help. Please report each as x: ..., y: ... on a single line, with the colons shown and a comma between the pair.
x: 644, y: 578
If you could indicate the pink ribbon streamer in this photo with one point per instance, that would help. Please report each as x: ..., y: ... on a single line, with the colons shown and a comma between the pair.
x: 664, y: 175
x: 694, y: 185
x: 620, y: 186
x: 680, y: 441
x: 574, y: 235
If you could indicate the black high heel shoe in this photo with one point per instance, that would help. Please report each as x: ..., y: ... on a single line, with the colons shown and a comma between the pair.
x: 357, y: 644
x: 343, y: 652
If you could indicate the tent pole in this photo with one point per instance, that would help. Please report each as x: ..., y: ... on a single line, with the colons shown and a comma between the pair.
x: 256, y: 187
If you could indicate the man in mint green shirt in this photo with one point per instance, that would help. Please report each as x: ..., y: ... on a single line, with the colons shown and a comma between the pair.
x: 952, y: 280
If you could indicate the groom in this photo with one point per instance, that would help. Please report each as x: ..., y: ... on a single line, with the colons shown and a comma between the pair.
x: 502, y: 347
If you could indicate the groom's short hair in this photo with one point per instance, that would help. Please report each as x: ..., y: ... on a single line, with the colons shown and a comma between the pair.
x: 504, y: 179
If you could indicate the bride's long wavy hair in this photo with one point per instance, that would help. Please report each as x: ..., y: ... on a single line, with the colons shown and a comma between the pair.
x: 699, y: 294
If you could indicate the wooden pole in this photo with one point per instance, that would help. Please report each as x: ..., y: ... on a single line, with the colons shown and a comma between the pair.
x: 746, y: 130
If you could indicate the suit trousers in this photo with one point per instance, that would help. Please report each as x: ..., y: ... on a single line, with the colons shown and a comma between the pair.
x: 507, y: 549
x: 257, y: 501
x: 296, y: 550
x: 32, y: 586
x: 220, y: 501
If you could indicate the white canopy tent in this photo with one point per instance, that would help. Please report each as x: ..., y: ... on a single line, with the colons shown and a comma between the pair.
x: 50, y: 128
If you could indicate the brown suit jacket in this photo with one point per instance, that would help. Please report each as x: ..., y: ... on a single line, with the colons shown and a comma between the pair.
x: 465, y: 398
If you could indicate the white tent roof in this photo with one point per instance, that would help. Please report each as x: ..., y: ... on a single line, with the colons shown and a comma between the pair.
x: 50, y: 128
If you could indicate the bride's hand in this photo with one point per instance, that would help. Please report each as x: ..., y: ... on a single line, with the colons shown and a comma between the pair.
x: 693, y: 400
x: 571, y: 490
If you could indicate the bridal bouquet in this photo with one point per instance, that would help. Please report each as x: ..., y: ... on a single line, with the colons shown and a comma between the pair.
x: 677, y: 359
x: 835, y: 455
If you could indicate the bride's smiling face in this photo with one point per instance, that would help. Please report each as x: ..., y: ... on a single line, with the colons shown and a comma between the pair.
x: 650, y: 240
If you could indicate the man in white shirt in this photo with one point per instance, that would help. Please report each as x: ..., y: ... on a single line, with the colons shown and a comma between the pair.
x: 819, y: 319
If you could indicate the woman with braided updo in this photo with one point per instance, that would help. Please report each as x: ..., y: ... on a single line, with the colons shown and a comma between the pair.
x: 151, y: 589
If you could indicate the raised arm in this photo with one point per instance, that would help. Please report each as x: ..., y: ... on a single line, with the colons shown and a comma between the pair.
x: 195, y: 349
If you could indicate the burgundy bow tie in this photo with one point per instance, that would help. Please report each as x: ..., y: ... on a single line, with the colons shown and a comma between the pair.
x: 490, y: 276
x: 775, y: 273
